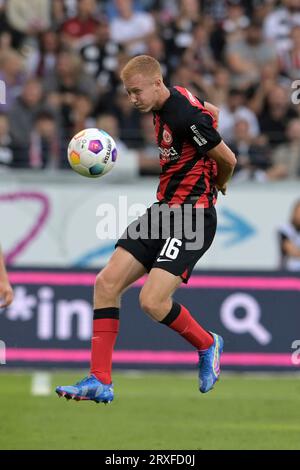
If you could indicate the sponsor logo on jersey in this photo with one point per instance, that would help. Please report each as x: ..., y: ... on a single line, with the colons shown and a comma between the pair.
x: 198, y: 138
x: 168, y: 154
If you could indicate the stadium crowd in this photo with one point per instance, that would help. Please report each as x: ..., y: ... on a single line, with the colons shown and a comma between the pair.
x: 60, y: 62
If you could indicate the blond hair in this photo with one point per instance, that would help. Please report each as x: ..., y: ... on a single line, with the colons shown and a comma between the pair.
x: 141, y: 64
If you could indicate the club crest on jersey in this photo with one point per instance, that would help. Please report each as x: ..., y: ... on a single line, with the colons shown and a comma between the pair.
x: 167, y: 137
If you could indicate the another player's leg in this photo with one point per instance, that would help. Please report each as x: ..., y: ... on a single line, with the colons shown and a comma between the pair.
x: 156, y: 300
x: 121, y: 271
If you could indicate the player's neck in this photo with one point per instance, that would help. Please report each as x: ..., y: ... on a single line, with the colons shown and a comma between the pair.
x: 164, y: 95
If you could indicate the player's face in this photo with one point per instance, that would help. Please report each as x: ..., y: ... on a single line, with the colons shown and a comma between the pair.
x: 142, y: 92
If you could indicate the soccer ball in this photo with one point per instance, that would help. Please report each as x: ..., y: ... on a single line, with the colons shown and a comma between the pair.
x: 92, y: 153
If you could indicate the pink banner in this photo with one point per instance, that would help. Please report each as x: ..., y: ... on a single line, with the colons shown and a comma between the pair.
x: 147, y: 357
x: 197, y: 281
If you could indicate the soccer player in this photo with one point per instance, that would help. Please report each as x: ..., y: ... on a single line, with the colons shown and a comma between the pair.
x: 6, y: 292
x: 195, y: 165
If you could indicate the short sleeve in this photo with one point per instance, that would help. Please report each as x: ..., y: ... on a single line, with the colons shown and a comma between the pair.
x: 201, y: 132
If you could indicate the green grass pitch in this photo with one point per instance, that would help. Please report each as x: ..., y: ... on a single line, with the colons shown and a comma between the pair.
x: 154, y: 411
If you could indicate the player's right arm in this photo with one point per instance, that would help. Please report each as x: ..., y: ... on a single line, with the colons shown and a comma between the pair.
x: 226, y: 162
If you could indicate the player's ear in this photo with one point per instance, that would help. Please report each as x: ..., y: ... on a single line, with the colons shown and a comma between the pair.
x: 157, y: 81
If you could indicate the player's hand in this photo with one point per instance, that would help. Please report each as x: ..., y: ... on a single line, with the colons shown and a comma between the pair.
x: 6, y: 294
x: 222, y: 189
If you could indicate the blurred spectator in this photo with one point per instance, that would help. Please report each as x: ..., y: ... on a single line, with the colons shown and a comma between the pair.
x: 252, y: 154
x: 9, y: 37
x: 129, y: 120
x: 275, y: 115
x: 109, y: 123
x: 217, y: 38
x: 178, y: 36
x: 59, y: 14
x: 64, y: 85
x: 217, y: 9
x: 286, y: 158
x: 155, y: 47
x: 43, y: 150
x: 163, y: 12
x: 182, y: 76
x: 42, y: 60
x: 29, y: 17
x: 233, y: 110
x: 278, y: 23
x: 236, y: 20
x: 128, y: 162
x: 246, y: 56
x: 199, y: 55
x: 261, y: 9
x: 6, y: 150
x: 100, y: 57
x: 219, y: 88
x: 111, y: 9
x: 23, y: 113
x: 106, y: 100
x: 68, y: 79
x: 75, y: 31
x: 289, y: 239
x: 185, y: 77
x: 131, y: 29
x: 148, y: 153
x: 5, y: 39
x: 289, y: 59
x: 70, y: 7
x: 269, y: 79
x: 80, y: 115
x: 13, y: 75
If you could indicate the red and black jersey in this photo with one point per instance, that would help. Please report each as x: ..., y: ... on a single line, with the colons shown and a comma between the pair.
x: 185, y: 132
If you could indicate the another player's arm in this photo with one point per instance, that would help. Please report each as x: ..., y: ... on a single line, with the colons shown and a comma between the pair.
x: 226, y: 162
x: 6, y: 292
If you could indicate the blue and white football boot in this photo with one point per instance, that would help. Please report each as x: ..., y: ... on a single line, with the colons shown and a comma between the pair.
x: 209, y: 364
x: 90, y: 388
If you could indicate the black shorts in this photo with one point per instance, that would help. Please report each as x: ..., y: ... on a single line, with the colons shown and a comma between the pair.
x: 159, y: 239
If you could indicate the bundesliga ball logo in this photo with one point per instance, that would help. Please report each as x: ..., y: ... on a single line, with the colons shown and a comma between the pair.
x: 92, y: 153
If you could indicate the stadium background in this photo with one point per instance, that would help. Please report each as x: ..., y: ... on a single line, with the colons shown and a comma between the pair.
x: 59, y: 61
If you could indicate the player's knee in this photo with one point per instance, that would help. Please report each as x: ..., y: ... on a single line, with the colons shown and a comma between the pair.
x: 105, y: 286
x: 150, y: 305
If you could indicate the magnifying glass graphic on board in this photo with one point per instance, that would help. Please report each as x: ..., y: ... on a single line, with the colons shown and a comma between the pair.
x: 250, y: 323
